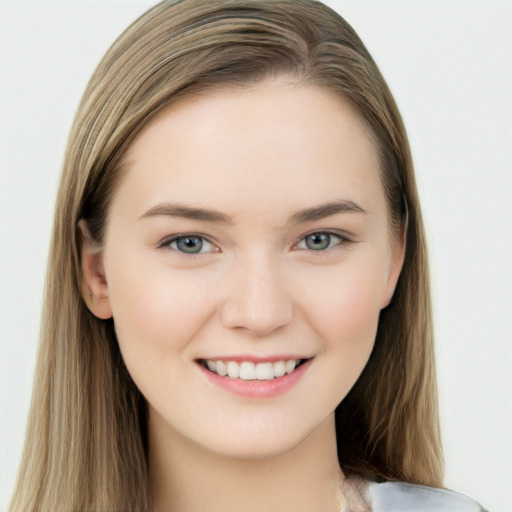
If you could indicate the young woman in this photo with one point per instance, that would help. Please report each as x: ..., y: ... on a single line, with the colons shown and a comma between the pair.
x: 237, y: 312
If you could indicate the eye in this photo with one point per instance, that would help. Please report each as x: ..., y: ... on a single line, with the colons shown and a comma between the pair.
x: 189, y: 244
x: 320, y: 241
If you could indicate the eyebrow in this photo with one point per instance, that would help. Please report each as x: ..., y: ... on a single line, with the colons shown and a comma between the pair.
x: 325, y: 210
x: 188, y: 212
x: 205, y: 214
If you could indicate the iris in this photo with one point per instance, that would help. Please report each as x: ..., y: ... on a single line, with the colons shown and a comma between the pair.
x: 189, y: 244
x: 318, y: 241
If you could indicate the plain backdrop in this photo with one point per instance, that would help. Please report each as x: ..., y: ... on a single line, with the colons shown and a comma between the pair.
x: 449, y: 65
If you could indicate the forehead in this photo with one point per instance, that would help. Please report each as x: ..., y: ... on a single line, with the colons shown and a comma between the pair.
x: 278, y: 141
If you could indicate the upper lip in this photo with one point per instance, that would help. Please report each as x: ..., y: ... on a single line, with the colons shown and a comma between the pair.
x: 254, y: 359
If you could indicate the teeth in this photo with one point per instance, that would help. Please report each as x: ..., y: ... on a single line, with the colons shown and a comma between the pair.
x: 221, y: 368
x: 289, y: 366
x: 233, y: 370
x: 264, y: 371
x: 247, y: 370
x: 279, y: 368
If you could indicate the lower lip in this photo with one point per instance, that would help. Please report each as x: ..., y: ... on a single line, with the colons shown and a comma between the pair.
x: 258, y: 388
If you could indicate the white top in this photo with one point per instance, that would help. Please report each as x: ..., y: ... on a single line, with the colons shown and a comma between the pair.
x: 358, y: 495
x: 401, y: 497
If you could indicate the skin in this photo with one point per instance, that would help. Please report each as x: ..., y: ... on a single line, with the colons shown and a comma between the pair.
x: 257, y: 156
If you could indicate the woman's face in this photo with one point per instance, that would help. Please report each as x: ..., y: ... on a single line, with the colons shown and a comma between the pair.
x: 249, y: 235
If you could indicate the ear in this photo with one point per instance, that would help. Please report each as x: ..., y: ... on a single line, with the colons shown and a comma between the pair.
x: 94, y: 282
x: 397, y: 260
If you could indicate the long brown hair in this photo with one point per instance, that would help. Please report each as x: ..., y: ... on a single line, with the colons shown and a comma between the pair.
x: 86, y: 445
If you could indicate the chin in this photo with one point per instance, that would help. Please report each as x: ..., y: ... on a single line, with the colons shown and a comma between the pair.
x: 255, y: 443
x: 255, y: 450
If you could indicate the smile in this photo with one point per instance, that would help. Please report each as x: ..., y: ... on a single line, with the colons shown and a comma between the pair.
x: 248, y: 370
x: 256, y: 378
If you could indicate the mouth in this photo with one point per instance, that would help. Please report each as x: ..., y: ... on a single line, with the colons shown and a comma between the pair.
x: 251, y: 371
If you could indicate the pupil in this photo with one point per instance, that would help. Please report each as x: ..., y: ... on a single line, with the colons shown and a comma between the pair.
x: 318, y: 241
x: 190, y: 244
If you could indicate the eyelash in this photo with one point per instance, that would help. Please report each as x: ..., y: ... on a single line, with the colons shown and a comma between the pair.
x: 331, y: 234
x: 168, y: 242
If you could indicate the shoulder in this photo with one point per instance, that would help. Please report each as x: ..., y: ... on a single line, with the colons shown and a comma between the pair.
x: 402, y: 497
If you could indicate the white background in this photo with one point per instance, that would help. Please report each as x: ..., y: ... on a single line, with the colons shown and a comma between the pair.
x: 449, y: 64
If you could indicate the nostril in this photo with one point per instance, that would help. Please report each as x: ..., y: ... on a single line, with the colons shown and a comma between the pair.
x: 259, y: 319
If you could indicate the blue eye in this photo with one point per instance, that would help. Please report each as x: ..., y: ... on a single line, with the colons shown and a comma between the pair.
x: 190, y: 244
x: 319, y: 241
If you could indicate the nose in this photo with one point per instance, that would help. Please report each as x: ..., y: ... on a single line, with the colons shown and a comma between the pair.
x: 257, y: 300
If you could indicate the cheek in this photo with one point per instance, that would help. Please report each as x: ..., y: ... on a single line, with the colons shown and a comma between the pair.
x: 344, y: 313
x: 345, y: 308
x: 350, y: 327
x: 156, y: 311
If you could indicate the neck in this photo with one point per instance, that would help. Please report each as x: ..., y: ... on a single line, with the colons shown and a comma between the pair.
x: 186, y: 477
